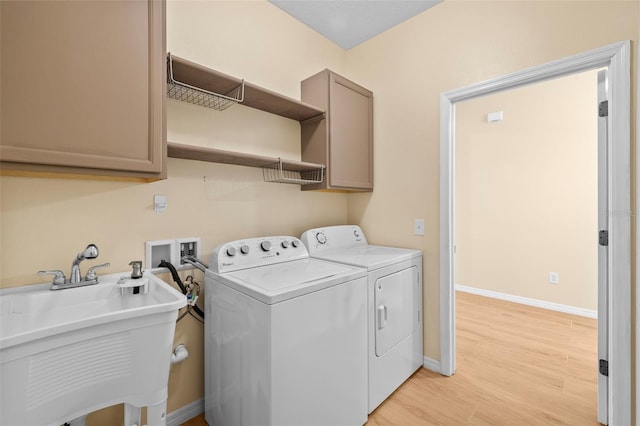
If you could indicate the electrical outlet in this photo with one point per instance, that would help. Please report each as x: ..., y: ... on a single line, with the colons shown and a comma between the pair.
x: 418, y: 227
x: 187, y: 247
x: 554, y: 278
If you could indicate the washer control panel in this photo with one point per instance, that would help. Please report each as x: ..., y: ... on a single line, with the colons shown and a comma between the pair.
x: 333, y: 238
x: 249, y: 253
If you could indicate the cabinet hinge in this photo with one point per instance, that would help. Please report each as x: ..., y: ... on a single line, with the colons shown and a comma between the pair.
x: 603, y: 109
x: 604, y: 367
x: 603, y: 238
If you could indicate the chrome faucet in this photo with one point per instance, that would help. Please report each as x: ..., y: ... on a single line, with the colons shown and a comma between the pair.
x: 91, y: 252
x: 76, y: 280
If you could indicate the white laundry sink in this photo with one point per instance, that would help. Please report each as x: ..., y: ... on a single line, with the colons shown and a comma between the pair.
x: 66, y: 353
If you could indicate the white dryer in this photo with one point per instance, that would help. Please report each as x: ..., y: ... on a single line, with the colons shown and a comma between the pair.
x: 285, y: 337
x: 394, y: 303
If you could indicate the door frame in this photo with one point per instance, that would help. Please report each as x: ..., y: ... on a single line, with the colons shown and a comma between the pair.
x: 616, y: 57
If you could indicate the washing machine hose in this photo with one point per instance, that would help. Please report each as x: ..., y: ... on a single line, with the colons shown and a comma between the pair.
x: 176, y: 278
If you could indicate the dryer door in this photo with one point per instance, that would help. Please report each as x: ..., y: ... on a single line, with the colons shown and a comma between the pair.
x: 396, y: 308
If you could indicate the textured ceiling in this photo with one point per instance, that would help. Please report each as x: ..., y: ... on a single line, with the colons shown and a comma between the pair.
x: 351, y: 22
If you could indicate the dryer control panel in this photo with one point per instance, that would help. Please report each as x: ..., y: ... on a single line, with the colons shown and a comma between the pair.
x: 319, y: 240
x: 252, y: 252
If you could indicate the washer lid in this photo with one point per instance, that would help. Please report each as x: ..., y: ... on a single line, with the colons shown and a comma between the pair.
x: 274, y: 283
x: 369, y: 256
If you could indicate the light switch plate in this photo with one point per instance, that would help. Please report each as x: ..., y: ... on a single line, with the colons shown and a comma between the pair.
x: 418, y: 227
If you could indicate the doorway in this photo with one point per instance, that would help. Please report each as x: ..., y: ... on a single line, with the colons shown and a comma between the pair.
x: 526, y: 188
x: 616, y: 59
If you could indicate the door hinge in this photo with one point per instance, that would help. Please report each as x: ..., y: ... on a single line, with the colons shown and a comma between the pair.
x: 604, y: 367
x: 603, y: 109
x: 603, y: 238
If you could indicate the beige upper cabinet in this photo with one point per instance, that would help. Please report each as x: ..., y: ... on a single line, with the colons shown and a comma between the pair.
x: 343, y: 141
x: 83, y: 87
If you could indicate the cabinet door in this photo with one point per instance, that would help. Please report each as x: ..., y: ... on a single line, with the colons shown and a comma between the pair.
x: 350, y: 135
x: 82, y: 85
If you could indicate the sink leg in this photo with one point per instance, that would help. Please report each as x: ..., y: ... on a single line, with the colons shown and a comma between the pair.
x: 157, y: 414
x: 132, y: 415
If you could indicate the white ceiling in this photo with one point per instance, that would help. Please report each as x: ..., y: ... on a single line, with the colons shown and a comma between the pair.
x: 351, y: 22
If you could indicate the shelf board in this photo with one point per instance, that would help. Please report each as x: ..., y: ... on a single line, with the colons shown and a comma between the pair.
x: 255, y: 96
x: 212, y: 155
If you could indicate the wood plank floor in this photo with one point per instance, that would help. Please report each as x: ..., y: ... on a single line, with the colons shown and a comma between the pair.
x: 516, y: 365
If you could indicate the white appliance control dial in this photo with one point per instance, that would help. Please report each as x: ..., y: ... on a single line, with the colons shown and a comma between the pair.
x: 321, y: 238
x: 265, y: 245
x: 256, y: 252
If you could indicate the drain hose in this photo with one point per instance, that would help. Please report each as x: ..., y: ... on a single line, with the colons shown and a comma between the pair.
x: 176, y: 278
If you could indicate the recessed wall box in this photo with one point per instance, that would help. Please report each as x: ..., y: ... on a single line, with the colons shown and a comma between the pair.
x: 157, y: 251
x: 186, y: 247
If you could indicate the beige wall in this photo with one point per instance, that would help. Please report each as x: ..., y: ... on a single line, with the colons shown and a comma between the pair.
x: 45, y: 222
x: 527, y: 192
x: 452, y: 45
x: 449, y: 46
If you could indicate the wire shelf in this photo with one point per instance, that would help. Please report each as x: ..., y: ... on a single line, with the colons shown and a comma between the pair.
x: 276, y: 173
x: 197, y: 96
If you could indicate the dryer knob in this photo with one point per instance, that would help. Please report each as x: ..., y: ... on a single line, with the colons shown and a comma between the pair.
x: 321, y: 238
x: 285, y: 244
x: 244, y: 249
x: 265, y: 246
x: 295, y: 243
x: 231, y: 251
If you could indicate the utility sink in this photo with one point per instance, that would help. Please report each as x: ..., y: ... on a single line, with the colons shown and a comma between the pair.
x: 66, y: 353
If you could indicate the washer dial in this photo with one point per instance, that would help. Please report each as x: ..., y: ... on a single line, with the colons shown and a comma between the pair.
x: 265, y: 245
x: 321, y: 238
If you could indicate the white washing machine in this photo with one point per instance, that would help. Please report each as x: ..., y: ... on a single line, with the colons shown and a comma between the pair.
x: 285, y: 337
x: 394, y: 303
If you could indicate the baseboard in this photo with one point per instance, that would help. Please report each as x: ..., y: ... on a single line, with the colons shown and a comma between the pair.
x: 189, y: 411
x: 432, y: 364
x: 531, y: 302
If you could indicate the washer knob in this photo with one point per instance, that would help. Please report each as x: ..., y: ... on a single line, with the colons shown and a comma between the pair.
x: 295, y: 243
x: 231, y: 251
x: 285, y: 244
x: 265, y: 246
x: 321, y: 238
x: 244, y: 249
x: 356, y: 233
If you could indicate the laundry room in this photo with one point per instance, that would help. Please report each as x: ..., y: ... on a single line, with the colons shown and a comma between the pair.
x: 204, y: 183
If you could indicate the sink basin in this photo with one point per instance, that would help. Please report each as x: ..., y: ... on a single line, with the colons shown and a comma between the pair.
x: 66, y: 353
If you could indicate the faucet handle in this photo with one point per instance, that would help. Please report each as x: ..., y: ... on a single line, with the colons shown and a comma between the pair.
x: 59, y: 275
x: 91, y: 273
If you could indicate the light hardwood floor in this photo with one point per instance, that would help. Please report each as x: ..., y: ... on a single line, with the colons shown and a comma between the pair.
x: 516, y: 365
